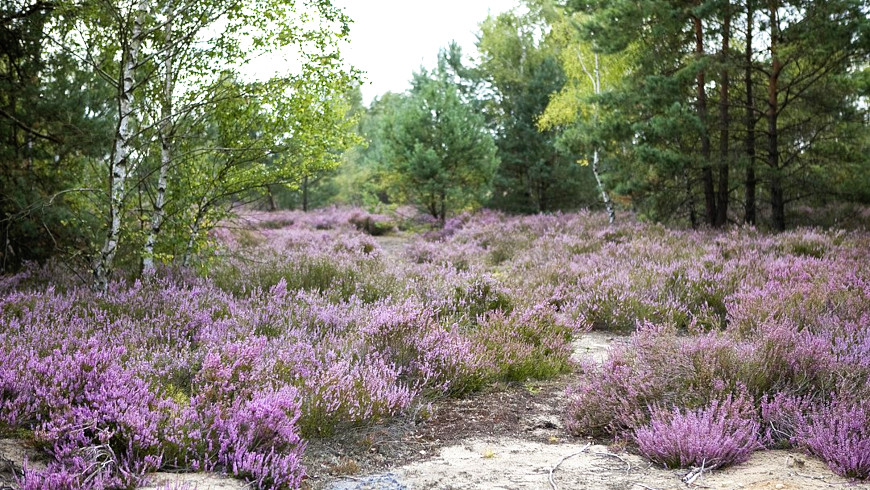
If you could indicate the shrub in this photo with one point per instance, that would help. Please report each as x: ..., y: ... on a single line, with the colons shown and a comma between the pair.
x: 723, y: 433
x: 839, y: 433
x: 657, y: 367
x: 526, y: 344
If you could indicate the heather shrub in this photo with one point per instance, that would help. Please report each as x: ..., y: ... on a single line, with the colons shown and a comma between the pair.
x: 787, y: 359
x: 721, y: 434
x: 100, y: 423
x: 239, y: 419
x: 351, y: 393
x: 781, y: 415
x: 373, y: 225
x: 339, y: 274
x: 300, y: 326
x: 789, y: 321
x: 431, y: 355
x: 480, y: 296
x: 527, y: 344
x: 656, y: 368
x: 807, y: 243
x: 839, y: 433
x: 810, y: 293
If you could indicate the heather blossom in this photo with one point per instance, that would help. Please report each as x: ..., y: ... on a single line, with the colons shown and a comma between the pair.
x: 300, y: 324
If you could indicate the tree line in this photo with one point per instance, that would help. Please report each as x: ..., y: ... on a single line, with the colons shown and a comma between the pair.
x: 128, y: 130
x: 705, y: 112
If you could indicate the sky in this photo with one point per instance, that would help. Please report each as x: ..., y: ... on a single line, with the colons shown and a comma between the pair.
x: 390, y: 39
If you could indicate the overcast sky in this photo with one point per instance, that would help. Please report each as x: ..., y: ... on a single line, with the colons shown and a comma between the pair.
x: 390, y: 39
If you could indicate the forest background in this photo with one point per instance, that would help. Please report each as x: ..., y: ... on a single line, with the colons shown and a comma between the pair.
x: 129, y: 132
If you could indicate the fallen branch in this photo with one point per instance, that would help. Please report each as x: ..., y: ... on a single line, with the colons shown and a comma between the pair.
x: 820, y: 478
x: 641, y: 485
x: 696, y: 473
x: 604, y: 453
x: 554, y: 468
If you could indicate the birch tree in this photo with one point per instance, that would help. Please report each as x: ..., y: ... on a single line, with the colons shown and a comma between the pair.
x: 199, y: 57
x: 129, y: 23
x: 590, y: 74
x: 165, y: 59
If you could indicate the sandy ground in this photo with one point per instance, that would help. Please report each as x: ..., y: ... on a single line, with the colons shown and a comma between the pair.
x: 193, y: 481
x: 520, y: 464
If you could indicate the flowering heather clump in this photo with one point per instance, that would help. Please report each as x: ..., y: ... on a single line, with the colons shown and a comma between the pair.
x: 781, y: 415
x: 839, y: 433
x: 721, y: 434
x: 794, y: 326
x: 301, y: 325
x: 657, y: 367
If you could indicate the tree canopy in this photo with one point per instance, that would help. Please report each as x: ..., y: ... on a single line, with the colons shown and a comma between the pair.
x: 434, y: 148
x: 171, y: 135
x: 130, y: 128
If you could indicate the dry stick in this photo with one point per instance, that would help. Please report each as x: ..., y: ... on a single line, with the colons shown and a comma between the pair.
x: 554, y: 468
x: 617, y: 457
x: 696, y: 473
x: 820, y: 478
x: 641, y: 485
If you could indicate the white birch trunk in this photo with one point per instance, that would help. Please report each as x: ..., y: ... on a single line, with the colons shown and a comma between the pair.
x: 165, y: 128
x: 121, y: 154
x: 611, y: 215
x: 188, y: 252
x: 194, y: 232
x: 595, y: 78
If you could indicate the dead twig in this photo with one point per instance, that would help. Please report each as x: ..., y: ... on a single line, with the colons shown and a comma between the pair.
x: 554, y: 468
x: 349, y: 477
x: 641, y: 485
x: 693, y: 475
x: 604, y: 453
x: 820, y: 478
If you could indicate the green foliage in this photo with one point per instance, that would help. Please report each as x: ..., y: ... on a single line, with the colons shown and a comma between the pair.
x: 364, y: 279
x: 51, y: 129
x: 434, y: 148
x: 521, y: 63
x: 525, y: 346
x: 690, y: 125
x: 213, y: 139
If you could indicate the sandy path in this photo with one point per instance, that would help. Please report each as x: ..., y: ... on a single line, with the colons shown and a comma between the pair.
x: 521, y: 464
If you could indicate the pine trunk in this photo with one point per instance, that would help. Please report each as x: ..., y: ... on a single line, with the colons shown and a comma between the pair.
x: 777, y: 199
x: 750, y: 184
x: 690, y: 200
x: 706, y: 168
x: 724, y: 123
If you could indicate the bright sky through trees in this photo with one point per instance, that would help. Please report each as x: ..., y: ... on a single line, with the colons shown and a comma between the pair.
x: 390, y: 39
